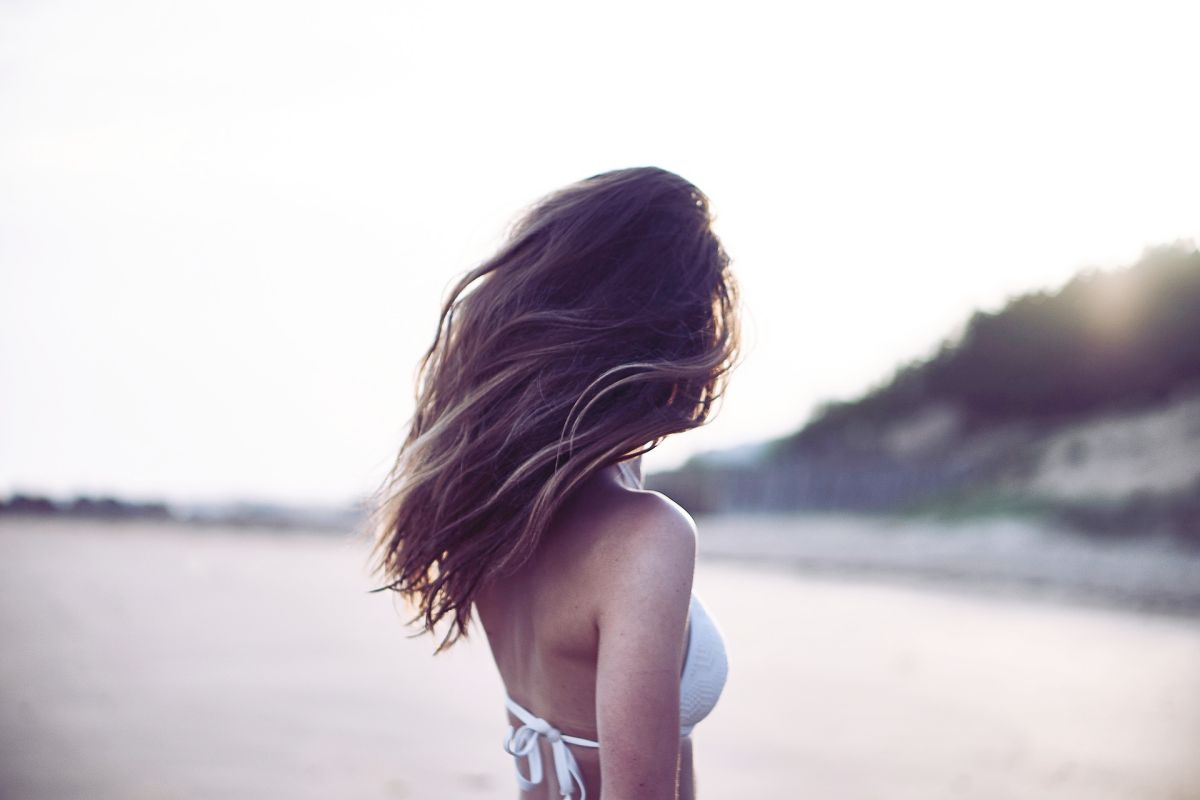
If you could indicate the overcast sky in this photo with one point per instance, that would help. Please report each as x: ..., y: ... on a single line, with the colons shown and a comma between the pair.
x: 225, y: 228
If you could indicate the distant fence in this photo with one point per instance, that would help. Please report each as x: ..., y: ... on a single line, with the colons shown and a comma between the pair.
x: 828, y: 483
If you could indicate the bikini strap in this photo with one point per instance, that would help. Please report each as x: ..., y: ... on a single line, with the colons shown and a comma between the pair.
x: 522, y: 742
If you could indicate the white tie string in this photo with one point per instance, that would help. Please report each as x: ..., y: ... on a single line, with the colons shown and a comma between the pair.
x: 522, y: 742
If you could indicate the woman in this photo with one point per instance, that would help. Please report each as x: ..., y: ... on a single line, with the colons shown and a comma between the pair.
x: 607, y: 322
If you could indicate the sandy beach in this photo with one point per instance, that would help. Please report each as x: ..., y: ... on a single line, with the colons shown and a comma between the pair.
x: 144, y: 660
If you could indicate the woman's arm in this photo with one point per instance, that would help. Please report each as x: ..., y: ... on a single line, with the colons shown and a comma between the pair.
x: 642, y: 618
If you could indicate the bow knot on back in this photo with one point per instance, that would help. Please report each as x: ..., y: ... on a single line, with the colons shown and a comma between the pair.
x: 522, y: 743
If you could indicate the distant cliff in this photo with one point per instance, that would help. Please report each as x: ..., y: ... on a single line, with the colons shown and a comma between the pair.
x: 1082, y: 403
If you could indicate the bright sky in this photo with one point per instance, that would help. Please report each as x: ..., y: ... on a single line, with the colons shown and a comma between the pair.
x: 226, y: 227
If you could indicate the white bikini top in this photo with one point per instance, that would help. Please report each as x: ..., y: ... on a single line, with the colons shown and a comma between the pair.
x: 705, y: 667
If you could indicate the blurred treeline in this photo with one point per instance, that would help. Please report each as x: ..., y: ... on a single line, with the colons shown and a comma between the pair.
x: 229, y: 513
x: 83, y: 506
x: 977, y: 426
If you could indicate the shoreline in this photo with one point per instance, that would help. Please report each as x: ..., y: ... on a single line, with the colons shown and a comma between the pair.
x: 1002, y: 557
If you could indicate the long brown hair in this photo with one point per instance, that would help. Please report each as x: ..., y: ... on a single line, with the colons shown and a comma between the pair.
x: 606, y: 322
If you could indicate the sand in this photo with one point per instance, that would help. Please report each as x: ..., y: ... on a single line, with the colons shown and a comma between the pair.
x: 144, y: 660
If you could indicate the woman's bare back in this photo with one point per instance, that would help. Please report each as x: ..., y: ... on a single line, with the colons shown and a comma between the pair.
x: 543, y: 623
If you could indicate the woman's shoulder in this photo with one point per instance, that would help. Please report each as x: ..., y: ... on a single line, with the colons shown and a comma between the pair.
x: 651, y: 515
x: 641, y: 533
x: 619, y: 517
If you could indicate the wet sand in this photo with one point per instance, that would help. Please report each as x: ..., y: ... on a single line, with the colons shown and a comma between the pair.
x: 143, y: 660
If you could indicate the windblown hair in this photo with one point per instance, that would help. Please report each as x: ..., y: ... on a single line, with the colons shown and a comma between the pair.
x: 606, y: 322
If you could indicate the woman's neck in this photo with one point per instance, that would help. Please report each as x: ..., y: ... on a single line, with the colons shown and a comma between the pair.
x: 630, y: 471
